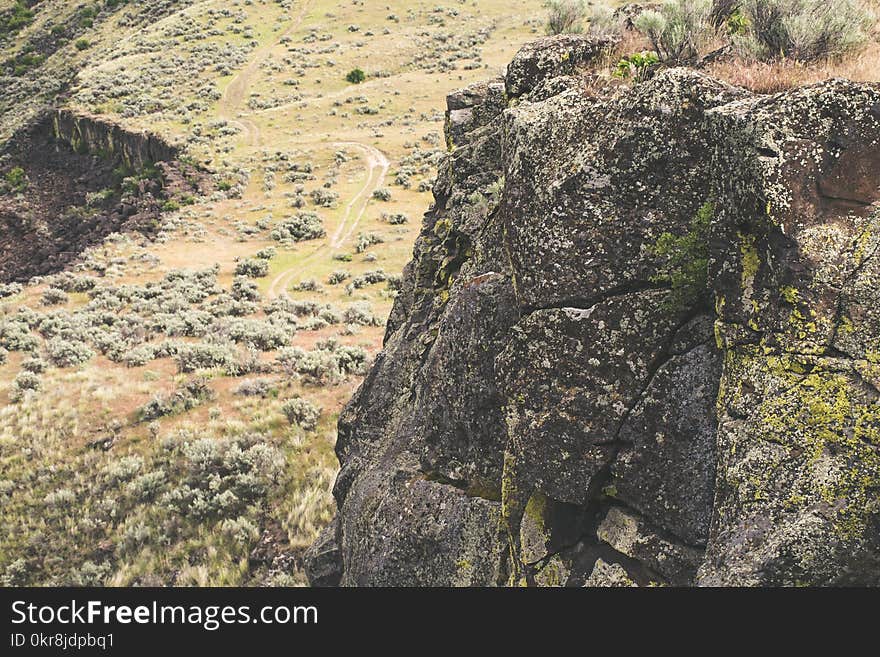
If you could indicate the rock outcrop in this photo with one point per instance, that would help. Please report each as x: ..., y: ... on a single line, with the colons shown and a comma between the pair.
x: 86, y: 178
x: 638, y: 343
x: 92, y: 134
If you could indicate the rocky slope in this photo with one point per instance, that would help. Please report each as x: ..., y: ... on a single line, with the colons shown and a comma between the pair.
x: 638, y: 342
x: 85, y: 178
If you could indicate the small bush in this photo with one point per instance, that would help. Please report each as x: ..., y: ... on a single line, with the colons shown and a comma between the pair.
x: 83, y: 44
x: 301, y: 412
x: 139, y: 356
x: 253, y: 267
x: 258, y: 334
x: 10, y: 289
x: 637, y: 66
x: 244, y: 289
x: 15, y: 335
x: 397, y: 219
x: 324, y: 198
x: 188, y: 396
x: 64, y: 353
x: 804, y: 30
x: 192, y: 357
x: 604, y: 21
x: 366, y: 240
x: 360, y: 313
x: 255, y: 388
x: 566, y: 17
x: 14, y: 182
x: 356, y: 76
x: 368, y: 278
x: 308, y: 285
x: 53, y: 297
x: 24, y: 382
x: 679, y: 30
x: 299, y: 228
x: 16, y: 18
x: 35, y: 365
x: 338, y: 276
x: 685, y: 260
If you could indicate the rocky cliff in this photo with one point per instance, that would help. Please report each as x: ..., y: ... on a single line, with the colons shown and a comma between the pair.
x: 638, y: 343
x: 86, y: 177
x: 92, y: 134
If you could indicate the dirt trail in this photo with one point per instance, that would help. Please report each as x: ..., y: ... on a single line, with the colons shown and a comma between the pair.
x: 229, y: 108
x: 350, y: 90
x: 232, y: 100
x: 377, y: 169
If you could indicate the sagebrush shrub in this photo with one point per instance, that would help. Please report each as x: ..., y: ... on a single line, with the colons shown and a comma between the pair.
x: 244, y: 289
x: 366, y: 240
x: 301, y: 412
x: 679, y: 30
x: 63, y: 353
x: 253, y: 267
x: 191, y: 394
x: 604, y: 21
x: 255, y: 388
x: 10, y: 289
x: 338, y: 277
x: 192, y: 357
x: 54, y: 296
x: 139, y: 356
x: 256, y: 333
x: 360, y: 313
x: 804, y: 30
x: 15, y: 335
x: 24, y: 382
x: 566, y: 17
x: 34, y: 364
x: 299, y: 228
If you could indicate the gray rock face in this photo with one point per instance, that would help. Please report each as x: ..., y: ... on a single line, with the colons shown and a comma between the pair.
x: 637, y: 344
x: 552, y: 57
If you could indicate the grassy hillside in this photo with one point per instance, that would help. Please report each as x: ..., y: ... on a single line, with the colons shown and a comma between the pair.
x: 163, y: 419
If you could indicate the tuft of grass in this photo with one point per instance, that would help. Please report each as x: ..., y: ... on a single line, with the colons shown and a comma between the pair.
x: 566, y: 17
x: 775, y: 77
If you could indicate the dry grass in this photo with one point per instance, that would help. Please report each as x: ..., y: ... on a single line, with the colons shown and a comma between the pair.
x: 46, y: 440
x: 767, y: 78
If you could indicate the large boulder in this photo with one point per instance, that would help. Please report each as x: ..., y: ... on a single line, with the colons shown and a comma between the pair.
x: 553, y: 57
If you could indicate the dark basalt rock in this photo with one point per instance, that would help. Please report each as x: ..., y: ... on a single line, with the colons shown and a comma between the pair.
x: 554, y: 406
x: 74, y: 198
x: 551, y: 57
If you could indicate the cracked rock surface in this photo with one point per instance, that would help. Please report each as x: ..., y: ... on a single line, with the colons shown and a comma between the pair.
x: 638, y: 344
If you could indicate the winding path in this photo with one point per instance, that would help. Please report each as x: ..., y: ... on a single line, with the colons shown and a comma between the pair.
x: 229, y: 108
x: 232, y: 99
x: 377, y: 169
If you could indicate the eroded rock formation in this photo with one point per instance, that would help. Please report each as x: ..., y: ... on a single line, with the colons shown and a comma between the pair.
x: 86, y: 178
x: 638, y: 342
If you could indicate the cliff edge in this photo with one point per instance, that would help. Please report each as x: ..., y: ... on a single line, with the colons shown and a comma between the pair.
x: 638, y: 343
